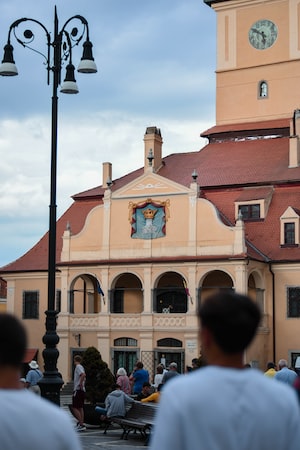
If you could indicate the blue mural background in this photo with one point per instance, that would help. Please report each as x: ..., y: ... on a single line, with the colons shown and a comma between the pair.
x: 148, y: 228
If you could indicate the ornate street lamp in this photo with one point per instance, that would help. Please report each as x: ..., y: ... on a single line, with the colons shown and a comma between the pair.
x: 59, y: 50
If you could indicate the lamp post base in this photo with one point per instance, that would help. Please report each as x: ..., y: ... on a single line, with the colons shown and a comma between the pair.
x: 51, y: 382
x: 51, y: 387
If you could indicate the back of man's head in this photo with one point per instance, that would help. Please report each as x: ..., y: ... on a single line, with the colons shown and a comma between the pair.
x: 13, y: 341
x: 77, y: 359
x: 282, y: 363
x: 173, y: 366
x: 232, y: 320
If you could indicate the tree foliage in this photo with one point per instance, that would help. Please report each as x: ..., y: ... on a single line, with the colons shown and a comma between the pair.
x: 99, y: 378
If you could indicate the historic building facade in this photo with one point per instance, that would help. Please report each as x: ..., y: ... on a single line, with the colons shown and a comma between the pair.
x: 137, y: 255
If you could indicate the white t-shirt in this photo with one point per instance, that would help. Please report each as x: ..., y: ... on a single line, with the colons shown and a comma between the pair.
x: 217, y: 408
x: 158, y: 379
x: 77, y: 372
x: 29, y: 422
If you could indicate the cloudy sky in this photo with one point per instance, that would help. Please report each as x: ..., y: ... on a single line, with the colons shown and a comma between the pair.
x: 156, y: 63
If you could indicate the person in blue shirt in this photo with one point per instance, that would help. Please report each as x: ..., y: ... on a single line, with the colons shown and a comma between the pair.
x: 285, y: 374
x: 139, y: 376
x: 33, y: 377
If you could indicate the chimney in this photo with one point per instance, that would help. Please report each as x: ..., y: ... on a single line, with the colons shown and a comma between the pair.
x: 106, y: 174
x: 153, y: 146
x: 294, y: 145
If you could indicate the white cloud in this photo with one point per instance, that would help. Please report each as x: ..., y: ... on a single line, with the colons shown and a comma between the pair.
x: 153, y: 71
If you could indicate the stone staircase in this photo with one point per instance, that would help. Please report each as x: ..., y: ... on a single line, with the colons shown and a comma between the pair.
x: 66, y: 394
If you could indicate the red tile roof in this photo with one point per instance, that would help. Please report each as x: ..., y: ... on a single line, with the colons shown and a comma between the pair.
x: 224, y: 170
x: 263, y: 234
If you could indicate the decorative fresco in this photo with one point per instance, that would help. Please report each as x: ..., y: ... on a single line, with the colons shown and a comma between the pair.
x: 148, y: 218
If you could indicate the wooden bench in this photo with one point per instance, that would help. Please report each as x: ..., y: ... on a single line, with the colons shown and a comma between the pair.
x: 139, y: 417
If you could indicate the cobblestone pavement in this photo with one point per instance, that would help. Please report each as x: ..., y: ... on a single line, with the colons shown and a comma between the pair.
x: 93, y: 438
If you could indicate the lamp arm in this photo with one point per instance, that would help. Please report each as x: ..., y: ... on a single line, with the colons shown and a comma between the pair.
x: 74, y: 31
x: 67, y: 51
x: 29, y: 35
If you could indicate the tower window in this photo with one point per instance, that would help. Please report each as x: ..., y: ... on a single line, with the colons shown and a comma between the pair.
x: 263, y: 89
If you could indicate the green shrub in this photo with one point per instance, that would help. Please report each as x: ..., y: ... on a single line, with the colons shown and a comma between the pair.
x: 99, y: 378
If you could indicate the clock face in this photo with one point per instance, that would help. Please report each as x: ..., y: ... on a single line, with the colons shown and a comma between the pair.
x: 263, y: 34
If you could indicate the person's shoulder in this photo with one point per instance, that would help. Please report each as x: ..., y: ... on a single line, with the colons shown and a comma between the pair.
x: 271, y: 384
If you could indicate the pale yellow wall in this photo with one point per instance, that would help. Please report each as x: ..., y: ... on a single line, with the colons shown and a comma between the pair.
x: 35, y: 327
x: 233, y: 90
x: 91, y: 236
x: 287, y: 276
x: 182, y: 230
x: 240, y: 67
x: 133, y: 302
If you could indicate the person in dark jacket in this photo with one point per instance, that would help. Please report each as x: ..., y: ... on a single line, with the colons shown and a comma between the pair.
x: 172, y: 372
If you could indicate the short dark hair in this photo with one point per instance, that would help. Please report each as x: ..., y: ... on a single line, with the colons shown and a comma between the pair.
x: 270, y: 365
x: 13, y: 340
x: 232, y: 319
x: 78, y: 358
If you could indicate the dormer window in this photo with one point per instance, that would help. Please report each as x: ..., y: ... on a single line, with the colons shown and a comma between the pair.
x: 289, y: 228
x: 263, y: 89
x: 253, y: 203
x: 250, y: 212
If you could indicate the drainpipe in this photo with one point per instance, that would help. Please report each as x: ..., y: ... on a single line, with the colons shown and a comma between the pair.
x: 273, y: 307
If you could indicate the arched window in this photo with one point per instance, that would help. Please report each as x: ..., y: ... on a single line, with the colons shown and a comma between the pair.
x: 170, y: 296
x: 127, y: 295
x: 263, y: 90
x: 169, y: 342
x: 125, y: 342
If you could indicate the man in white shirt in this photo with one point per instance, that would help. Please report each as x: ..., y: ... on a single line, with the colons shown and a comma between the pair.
x: 79, y: 393
x: 223, y: 405
x: 27, y: 421
x: 285, y: 374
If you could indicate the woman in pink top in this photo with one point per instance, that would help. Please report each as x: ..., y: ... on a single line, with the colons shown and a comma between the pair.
x: 123, y: 381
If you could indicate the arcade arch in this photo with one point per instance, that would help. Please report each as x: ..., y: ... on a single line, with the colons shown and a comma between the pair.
x: 127, y: 296
x: 170, y: 295
x: 83, y: 295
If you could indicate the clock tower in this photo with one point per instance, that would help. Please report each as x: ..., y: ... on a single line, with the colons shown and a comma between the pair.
x: 258, y: 59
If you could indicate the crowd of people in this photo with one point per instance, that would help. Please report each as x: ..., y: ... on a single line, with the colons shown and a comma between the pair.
x: 222, y: 404
x: 226, y: 405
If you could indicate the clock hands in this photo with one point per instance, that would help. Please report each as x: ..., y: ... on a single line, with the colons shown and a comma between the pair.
x: 261, y: 33
x: 256, y: 31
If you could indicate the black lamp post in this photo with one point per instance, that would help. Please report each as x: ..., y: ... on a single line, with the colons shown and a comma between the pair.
x: 61, y: 47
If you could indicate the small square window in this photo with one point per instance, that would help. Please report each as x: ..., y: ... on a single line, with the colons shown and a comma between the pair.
x: 250, y: 211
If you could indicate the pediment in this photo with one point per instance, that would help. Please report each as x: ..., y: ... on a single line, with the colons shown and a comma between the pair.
x: 150, y: 184
x: 290, y: 213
